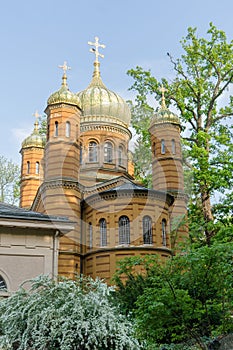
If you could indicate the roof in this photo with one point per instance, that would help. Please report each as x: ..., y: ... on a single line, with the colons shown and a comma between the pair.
x: 12, y: 216
x: 127, y: 187
x: 11, y: 211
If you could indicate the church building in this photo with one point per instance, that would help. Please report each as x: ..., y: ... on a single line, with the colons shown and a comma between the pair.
x: 83, y: 170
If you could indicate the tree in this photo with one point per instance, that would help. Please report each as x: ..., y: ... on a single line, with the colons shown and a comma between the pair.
x: 66, y: 315
x: 186, y: 299
x: 43, y: 124
x: 202, y: 78
x: 9, y: 181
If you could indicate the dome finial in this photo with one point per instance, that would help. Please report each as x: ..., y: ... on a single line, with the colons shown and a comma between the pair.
x: 95, y: 50
x: 36, y: 124
x: 64, y: 77
x: 163, y: 103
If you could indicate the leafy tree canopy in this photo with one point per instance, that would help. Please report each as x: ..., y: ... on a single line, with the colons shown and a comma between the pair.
x: 9, y: 181
x: 186, y: 299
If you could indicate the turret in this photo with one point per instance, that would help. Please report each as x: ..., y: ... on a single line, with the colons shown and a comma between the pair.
x: 32, y: 152
x: 167, y: 168
x: 62, y: 151
x: 60, y: 191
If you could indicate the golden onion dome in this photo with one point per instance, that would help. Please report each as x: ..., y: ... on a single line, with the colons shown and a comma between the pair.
x: 164, y: 115
x: 64, y: 95
x: 35, y: 139
x: 98, y: 100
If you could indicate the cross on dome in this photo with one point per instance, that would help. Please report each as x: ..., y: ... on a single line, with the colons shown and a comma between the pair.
x: 64, y: 67
x: 36, y: 115
x: 36, y: 124
x: 163, y: 90
x: 95, y: 50
x: 64, y: 77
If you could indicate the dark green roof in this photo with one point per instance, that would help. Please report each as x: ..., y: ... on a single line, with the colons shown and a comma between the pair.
x: 13, y: 212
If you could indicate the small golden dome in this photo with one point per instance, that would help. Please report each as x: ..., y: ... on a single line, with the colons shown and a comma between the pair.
x: 64, y: 95
x: 35, y: 139
x: 97, y: 100
x: 164, y: 115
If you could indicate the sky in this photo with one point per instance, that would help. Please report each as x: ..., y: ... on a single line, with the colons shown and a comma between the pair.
x: 38, y: 36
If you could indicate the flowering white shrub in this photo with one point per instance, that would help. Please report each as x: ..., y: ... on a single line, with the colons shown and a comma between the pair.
x: 64, y: 315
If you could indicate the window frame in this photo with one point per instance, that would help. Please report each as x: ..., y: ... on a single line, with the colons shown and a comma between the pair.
x: 163, y: 147
x: 103, y: 232
x: 28, y: 167
x: 164, y: 232
x: 92, y: 152
x: 37, y: 168
x: 173, y: 146
x: 90, y: 228
x: 68, y: 128
x: 108, y: 152
x: 147, y: 230
x: 120, y: 155
x: 56, y: 128
x: 124, y: 230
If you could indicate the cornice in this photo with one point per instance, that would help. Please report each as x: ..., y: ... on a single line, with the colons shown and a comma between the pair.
x: 64, y: 183
x: 112, y: 194
x: 129, y: 248
x: 32, y: 148
x: 163, y: 125
x: 158, y: 159
x: 108, y: 124
x: 62, y: 105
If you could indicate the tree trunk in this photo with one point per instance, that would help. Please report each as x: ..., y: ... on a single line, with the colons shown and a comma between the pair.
x: 208, y: 216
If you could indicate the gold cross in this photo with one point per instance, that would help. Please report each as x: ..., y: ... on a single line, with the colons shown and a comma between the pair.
x: 64, y: 67
x: 163, y: 90
x: 36, y: 115
x: 36, y: 124
x: 96, y: 49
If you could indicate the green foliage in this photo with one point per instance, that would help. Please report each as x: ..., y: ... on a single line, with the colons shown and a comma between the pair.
x: 43, y: 125
x: 202, y: 76
x: 141, y: 118
x: 185, y: 299
x: 9, y: 181
x: 66, y: 315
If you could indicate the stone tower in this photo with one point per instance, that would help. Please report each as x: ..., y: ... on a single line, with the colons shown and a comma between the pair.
x: 32, y: 152
x: 167, y: 168
x: 60, y: 192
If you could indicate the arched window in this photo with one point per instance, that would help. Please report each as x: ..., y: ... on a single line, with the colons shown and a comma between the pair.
x: 81, y: 153
x: 56, y: 129
x: 147, y: 230
x: 173, y: 146
x: 37, y: 168
x: 90, y: 235
x: 153, y: 149
x: 120, y: 155
x: 92, y: 152
x: 67, y: 129
x: 103, y: 232
x: 28, y: 167
x: 164, y: 235
x: 108, y: 152
x: 3, y: 286
x: 124, y: 230
x: 163, y: 147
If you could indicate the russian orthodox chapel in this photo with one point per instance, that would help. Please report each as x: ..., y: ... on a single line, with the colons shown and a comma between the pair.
x: 83, y: 170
